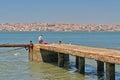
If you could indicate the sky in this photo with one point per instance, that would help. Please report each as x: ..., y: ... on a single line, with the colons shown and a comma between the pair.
x: 60, y: 11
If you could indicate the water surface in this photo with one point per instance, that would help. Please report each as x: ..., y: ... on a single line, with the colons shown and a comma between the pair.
x: 14, y: 63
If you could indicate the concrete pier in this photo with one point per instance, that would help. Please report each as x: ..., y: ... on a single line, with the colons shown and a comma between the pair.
x: 60, y: 53
x: 102, y: 56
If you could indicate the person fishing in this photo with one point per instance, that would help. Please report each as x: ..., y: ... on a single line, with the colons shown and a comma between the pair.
x: 40, y: 39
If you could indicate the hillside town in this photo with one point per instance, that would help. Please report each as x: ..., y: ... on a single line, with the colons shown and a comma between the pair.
x: 58, y: 27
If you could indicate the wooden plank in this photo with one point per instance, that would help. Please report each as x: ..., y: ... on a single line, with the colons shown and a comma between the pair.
x: 14, y: 45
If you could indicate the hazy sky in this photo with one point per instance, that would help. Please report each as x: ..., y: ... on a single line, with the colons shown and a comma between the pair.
x: 60, y: 11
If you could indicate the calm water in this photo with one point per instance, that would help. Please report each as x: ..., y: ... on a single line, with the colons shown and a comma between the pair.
x: 14, y: 63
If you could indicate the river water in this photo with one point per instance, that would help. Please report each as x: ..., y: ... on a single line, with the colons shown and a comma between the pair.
x: 14, y: 63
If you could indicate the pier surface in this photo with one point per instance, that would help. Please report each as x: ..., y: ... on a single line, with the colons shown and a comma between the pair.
x: 100, y: 54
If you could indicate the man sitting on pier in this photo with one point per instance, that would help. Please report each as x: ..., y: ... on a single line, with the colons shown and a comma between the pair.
x: 40, y: 39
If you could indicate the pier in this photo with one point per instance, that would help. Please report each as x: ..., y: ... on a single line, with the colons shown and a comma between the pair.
x: 102, y: 56
x: 60, y: 53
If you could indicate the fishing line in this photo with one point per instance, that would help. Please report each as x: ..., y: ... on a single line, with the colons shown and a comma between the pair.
x: 12, y: 50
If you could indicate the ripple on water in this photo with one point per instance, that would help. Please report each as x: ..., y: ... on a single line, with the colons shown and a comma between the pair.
x: 15, y: 65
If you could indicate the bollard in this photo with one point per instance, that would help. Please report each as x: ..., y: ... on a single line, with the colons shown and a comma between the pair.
x: 60, y: 42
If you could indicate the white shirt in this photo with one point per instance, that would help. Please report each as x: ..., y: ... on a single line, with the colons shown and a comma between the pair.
x: 40, y: 38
